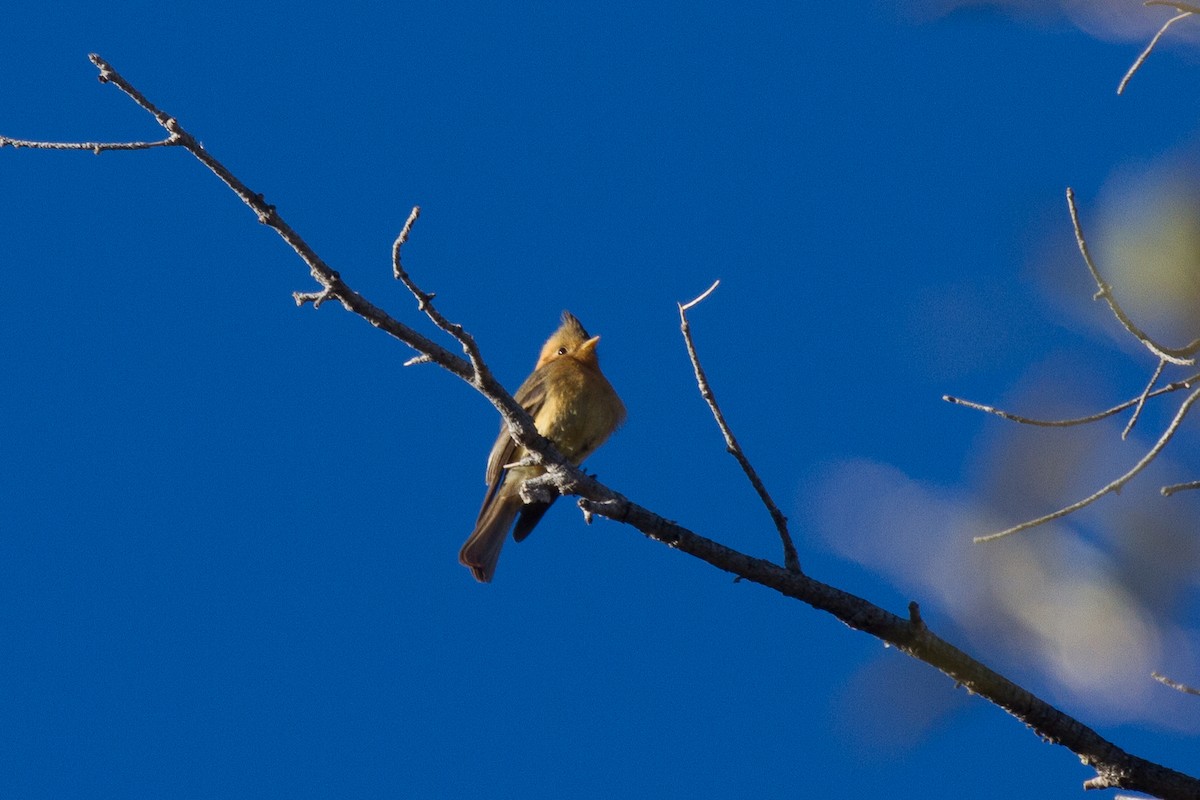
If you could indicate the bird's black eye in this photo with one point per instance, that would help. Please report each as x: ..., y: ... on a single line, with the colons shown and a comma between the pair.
x: 562, y: 351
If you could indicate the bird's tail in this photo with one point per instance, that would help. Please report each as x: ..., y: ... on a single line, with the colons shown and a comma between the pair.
x: 482, y: 548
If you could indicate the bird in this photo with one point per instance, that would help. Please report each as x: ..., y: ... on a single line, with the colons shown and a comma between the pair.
x: 575, y: 407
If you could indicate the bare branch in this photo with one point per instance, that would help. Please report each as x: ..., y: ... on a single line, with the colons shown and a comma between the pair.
x: 1180, y: 355
x: 1141, y: 401
x: 1115, y: 768
x: 1179, y: 687
x: 1186, y: 383
x: 1175, y: 356
x: 473, y: 371
x: 329, y: 279
x: 1114, y: 486
x: 790, y: 558
x: 1141, y: 59
x: 333, y: 284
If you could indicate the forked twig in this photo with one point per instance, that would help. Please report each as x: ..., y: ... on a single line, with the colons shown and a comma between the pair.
x: 1141, y: 59
x: 790, y: 559
x: 1114, y: 486
x: 425, y: 303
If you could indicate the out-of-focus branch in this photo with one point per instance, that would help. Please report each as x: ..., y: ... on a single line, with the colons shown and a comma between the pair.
x: 1114, y: 767
x: 1141, y: 401
x: 1176, y: 355
x: 1187, y: 10
x: 790, y: 559
x: 1187, y: 486
x: 1186, y: 383
x: 1189, y: 7
x: 1114, y: 486
x: 1182, y: 355
x: 1176, y: 685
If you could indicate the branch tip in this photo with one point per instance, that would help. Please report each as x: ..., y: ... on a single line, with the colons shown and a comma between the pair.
x: 689, y: 305
x: 1186, y: 9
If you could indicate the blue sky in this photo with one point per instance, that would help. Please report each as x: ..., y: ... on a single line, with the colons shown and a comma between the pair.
x: 230, y: 525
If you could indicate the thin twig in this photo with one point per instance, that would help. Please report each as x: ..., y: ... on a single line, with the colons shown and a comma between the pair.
x: 95, y: 147
x: 1167, y: 491
x: 697, y: 301
x: 1141, y: 401
x: 407, y: 229
x: 1043, y: 423
x: 1189, y: 7
x: 790, y: 559
x: 329, y: 279
x: 1114, y: 486
x: 1186, y: 383
x: 1179, y: 355
x: 1176, y: 685
x: 1150, y: 47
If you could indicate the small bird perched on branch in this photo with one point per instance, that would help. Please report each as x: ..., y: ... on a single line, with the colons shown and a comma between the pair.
x: 575, y: 407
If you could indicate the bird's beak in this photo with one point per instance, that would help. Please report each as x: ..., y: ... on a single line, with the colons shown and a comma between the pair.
x: 587, y: 350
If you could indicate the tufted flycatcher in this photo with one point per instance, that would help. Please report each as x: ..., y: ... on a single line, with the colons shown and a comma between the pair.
x: 575, y: 407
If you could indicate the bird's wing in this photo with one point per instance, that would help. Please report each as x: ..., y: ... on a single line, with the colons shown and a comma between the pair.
x: 531, y: 396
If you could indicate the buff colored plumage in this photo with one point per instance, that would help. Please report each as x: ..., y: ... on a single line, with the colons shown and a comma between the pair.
x: 572, y: 405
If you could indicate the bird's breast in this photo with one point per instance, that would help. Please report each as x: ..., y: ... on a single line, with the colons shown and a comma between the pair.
x: 580, y: 412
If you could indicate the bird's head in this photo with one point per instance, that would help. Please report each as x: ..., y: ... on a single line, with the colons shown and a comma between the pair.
x: 571, y: 340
